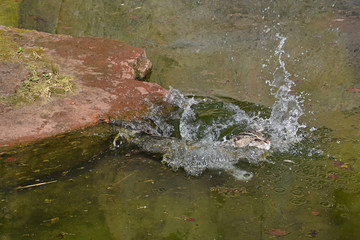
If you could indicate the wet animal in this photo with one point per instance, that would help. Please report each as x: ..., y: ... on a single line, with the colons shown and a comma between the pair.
x: 244, y: 139
x: 196, y: 156
x: 251, y: 139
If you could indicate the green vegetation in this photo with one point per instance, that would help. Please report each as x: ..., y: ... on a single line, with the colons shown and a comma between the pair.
x: 40, y: 85
x: 41, y: 79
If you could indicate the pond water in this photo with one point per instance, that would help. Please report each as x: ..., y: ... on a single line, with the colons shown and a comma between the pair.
x: 282, y: 67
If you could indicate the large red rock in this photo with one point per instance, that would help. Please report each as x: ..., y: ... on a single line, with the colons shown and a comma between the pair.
x: 104, y: 72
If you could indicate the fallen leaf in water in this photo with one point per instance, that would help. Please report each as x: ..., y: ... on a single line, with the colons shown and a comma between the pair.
x: 149, y: 180
x: 342, y: 165
x: 190, y: 219
x: 332, y: 176
x: 11, y: 159
x: 315, y: 213
x: 277, y: 232
x: 353, y: 90
x: 54, y: 220
x: 48, y: 200
x: 226, y: 81
x: 60, y: 235
x: 63, y: 234
x: 312, y: 233
x: 346, y: 166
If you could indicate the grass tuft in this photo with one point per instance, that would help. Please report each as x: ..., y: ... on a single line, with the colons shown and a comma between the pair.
x: 43, y: 79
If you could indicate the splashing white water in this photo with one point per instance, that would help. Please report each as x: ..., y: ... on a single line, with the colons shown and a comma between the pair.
x: 283, y: 123
x: 190, y: 126
x: 200, y: 146
x: 195, y: 157
x: 188, y: 123
x: 282, y: 126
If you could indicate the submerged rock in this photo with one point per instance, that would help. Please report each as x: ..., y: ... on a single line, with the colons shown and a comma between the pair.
x: 101, y: 75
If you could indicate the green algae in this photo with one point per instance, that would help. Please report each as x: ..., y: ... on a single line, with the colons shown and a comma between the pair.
x: 40, y: 85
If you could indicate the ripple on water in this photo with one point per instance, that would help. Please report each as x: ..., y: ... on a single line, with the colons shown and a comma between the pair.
x: 318, y: 184
x: 297, y: 191
x: 298, y: 201
x: 279, y: 189
x: 326, y: 204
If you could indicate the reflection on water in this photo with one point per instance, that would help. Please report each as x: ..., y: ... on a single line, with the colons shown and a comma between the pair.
x: 134, y: 197
x: 226, y: 50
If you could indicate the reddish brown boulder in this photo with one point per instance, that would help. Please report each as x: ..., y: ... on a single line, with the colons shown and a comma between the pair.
x: 104, y: 73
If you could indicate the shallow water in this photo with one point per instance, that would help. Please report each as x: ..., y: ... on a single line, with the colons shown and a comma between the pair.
x: 292, y: 56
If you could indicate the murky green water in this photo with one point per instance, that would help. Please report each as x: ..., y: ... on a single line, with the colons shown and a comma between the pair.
x: 209, y: 48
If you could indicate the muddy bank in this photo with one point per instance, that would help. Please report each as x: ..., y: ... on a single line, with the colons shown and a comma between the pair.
x: 101, y: 75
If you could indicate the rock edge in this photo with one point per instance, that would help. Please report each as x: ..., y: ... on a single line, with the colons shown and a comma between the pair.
x: 104, y: 72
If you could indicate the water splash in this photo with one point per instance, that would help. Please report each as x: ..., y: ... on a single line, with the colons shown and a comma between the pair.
x: 195, y: 156
x: 188, y: 124
x: 200, y: 144
x: 286, y: 111
x: 193, y: 128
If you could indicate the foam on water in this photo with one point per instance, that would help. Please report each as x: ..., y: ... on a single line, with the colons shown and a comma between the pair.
x: 195, y: 157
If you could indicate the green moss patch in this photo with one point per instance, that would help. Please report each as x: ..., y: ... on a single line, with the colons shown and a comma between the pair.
x: 42, y: 79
